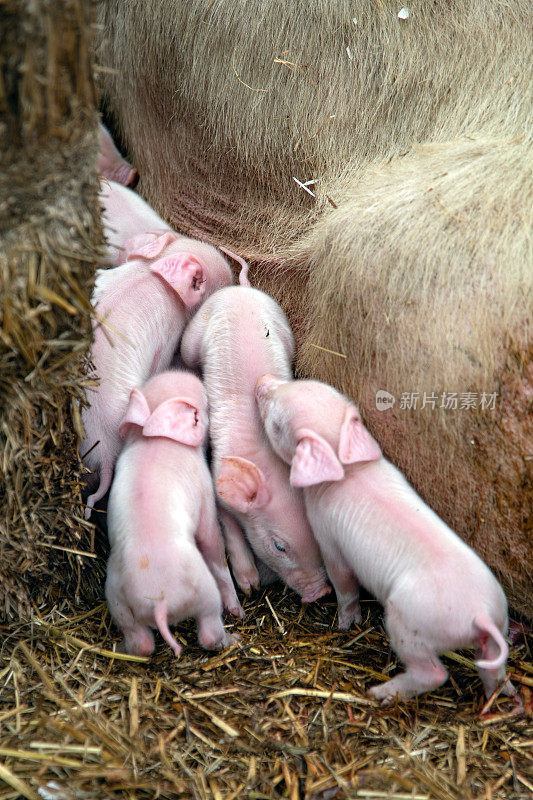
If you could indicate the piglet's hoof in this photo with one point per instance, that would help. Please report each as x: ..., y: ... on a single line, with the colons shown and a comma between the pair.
x: 349, y: 616
x: 215, y: 637
x: 141, y: 644
x: 235, y: 611
x: 247, y: 579
x: 382, y: 694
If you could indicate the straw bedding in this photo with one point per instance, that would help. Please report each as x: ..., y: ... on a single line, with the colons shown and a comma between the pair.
x: 283, y: 714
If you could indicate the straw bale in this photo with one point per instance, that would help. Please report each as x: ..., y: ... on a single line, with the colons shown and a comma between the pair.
x: 50, y: 240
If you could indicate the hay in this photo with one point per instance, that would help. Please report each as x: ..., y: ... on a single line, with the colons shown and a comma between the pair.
x: 280, y: 715
x: 50, y: 234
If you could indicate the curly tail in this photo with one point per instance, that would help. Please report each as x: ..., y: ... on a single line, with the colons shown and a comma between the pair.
x: 160, y: 616
x: 243, y: 275
x: 483, y: 625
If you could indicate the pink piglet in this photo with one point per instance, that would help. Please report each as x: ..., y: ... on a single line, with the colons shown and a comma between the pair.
x: 374, y: 529
x: 141, y: 309
x: 110, y: 163
x: 167, y: 561
x: 127, y: 217
x: 233, y: 337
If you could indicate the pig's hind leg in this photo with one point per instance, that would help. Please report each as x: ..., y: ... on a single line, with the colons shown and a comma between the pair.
x: 211, y: 632
x: 424, y: 670
x: 492, y: 678
x: 138, y: 639
x: 345, y: 584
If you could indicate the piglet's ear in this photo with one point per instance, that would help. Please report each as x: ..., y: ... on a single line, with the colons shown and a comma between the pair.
x: 314, y: 461
x: 147, y: 245
x: 356, y: 444
x: 185, y: 274
x: 242, y: 485
x: 176, y: 419
x: 137, y: 413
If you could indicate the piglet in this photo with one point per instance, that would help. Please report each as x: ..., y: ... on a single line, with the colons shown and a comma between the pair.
x: 127, y: 217
x: 167, y: 559
x: 238, y: 334
x: 141, y: 309
x: 110, y: 163
x: 375, y: 530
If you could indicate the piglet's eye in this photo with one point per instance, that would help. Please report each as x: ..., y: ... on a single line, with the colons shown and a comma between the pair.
x: 278, y: 546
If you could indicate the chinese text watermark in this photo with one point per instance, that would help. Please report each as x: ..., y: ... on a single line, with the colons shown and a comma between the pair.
x: 450, y: 401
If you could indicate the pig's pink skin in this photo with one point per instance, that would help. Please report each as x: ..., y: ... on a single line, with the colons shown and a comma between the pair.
x: 125, y: 215
x: 145, y: 318
x: 237, y: 335
x: 167, y: 559
x: 110, y: 163
x: 373, y: 528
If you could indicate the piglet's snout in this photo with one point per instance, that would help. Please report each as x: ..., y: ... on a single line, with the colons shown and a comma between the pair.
x: 310, y: 587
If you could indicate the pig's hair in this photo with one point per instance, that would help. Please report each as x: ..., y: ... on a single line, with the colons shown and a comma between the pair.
x: 240, y: 97
x: 422, y: 273
x: 259, y: 74
x: 433, y: 250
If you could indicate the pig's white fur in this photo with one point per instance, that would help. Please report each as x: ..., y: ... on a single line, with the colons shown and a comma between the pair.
x: 373, y: 528
x: 228, y: 371
x: 236, y: 333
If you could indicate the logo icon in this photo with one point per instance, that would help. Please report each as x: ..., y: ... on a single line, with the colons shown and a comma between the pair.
x: 384, y: 400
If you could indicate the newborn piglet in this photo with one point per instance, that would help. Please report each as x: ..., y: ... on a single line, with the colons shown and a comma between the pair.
x: 111, y: 164
x: 238, y: 334
x: 374, y: 529
x: 141, y: 309
x: 129, y: 222
x: 167, y: 560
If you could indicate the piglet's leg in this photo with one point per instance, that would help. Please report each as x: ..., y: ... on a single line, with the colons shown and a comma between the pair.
x: 345, y: 584
x: 492, y: 678
x: 421, y: 675
x: 240, y: 555
x: 211, y: 545
x: 211, y: 632
x: 138, y: 639
x: 424, y: 670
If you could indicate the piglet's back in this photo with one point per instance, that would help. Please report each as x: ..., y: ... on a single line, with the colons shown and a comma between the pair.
x: 242, y: 330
